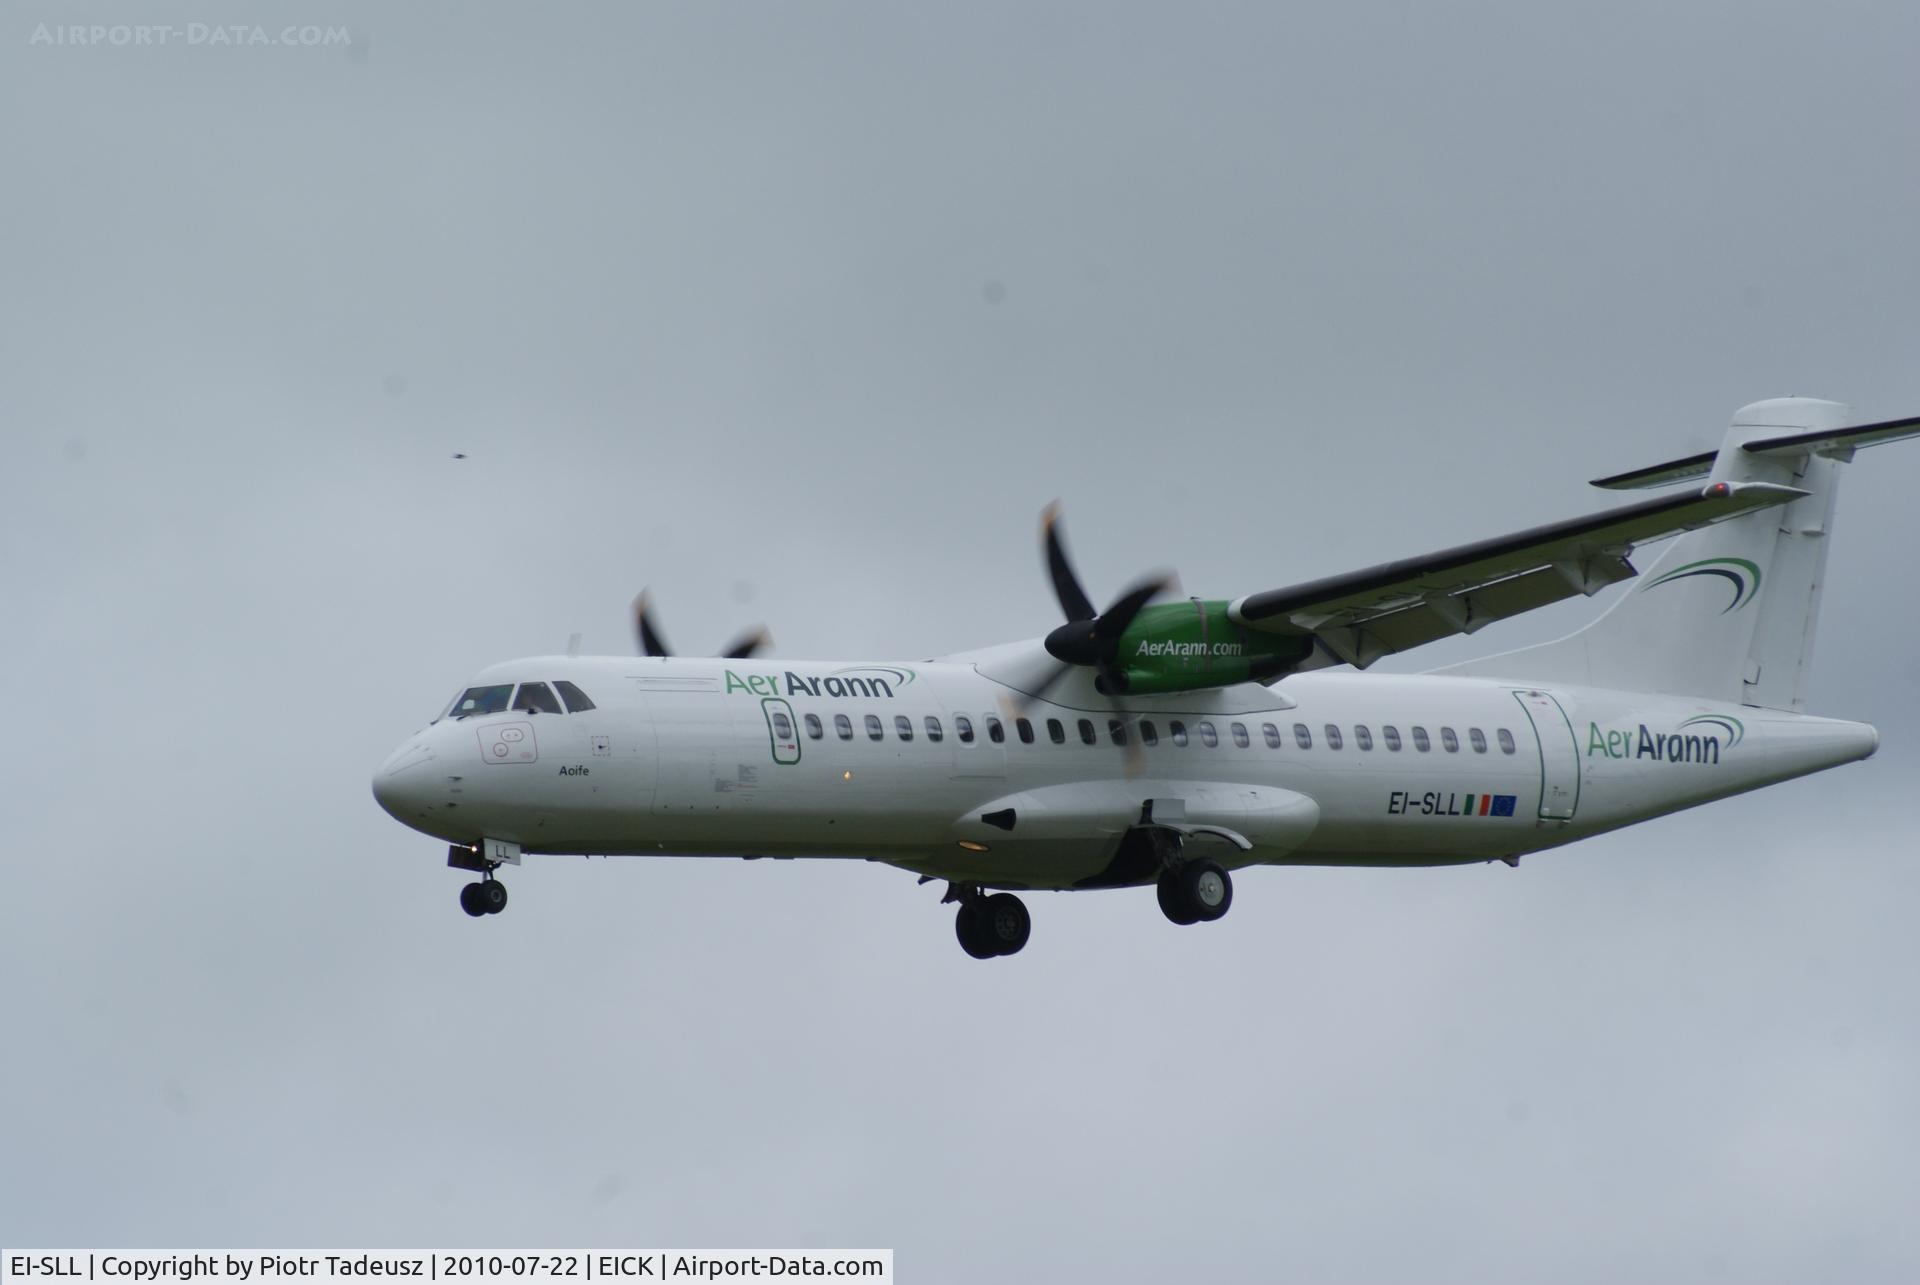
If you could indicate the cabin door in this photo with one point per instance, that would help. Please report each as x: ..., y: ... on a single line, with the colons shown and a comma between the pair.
x: 1559, y: 755
x: 782, y: 730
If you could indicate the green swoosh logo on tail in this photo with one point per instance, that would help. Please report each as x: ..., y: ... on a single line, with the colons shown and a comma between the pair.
x: 1743, y: 575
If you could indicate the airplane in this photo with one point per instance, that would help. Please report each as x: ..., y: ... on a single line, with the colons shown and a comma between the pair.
x: 1173, y: 743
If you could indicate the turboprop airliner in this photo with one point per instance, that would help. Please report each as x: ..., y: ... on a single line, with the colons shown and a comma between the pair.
x: 1173, y: 743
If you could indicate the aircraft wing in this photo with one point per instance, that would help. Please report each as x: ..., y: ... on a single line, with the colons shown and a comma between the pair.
x: 1361, y: 616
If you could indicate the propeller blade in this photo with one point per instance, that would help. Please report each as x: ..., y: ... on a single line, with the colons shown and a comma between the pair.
x: 1114, y: 620
x: 1024, y: 701
x: 1066, y: 586
x: 750, y: 643
x: 651, y: 643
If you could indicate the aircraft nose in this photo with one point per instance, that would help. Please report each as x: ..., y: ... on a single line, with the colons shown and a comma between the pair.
x: 400, y: 784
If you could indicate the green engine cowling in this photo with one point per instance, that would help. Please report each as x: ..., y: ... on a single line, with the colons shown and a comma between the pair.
x: 1183, y: 646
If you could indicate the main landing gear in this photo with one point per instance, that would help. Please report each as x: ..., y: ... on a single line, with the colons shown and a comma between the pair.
x: 487, y: 896
x: 990, y: 926
x: 1195, y: 892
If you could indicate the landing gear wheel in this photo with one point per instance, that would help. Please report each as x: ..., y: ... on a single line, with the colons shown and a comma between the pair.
x: 1006, y: 923
x: 970, y: 926
x: 1207, y: 889
x: 1171, y: 904
x: 470, y: 900
x: 1197, y: 892
x: 493, y: 896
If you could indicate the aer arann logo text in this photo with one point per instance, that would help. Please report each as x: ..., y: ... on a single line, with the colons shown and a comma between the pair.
x: 863, y: 682
x: 1696, y: 740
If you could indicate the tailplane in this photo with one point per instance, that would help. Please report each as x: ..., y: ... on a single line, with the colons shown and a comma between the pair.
x: 1727, y: 613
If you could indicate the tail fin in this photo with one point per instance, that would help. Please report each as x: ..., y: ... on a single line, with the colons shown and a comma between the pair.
x: 1728, y: 611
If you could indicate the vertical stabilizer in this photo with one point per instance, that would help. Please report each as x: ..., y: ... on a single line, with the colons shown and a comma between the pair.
x: 1727, y: 612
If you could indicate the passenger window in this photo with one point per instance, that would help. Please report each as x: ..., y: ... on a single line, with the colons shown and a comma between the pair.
x: 1420, y: 741
x: 814, y: 730
x: 1149, y: 734
x: 1333, y: 737
x: 577, y: 702
x: 1025, y: 729
x: 1506, y: 740
x: 934, y: 732
x: 1302, y: 737
x: 995, y: 733
x: 1056, y: 731
x: 1391, y: 735
x: 1087, y: 735
x: 782, y: 726
x: 1479, y: 739
x: 1239, y: 731
x: 538, y: 698
x: 1208, y: 737
x: 963, y: 728
x: 874, y: 730
x: 903, y: 727
x: 1449, y: 740
x: 1271, y: 734
x: 1178, y: 731
x: 843, y: 727
x: 1362, y: 737
x: 1117, y: 730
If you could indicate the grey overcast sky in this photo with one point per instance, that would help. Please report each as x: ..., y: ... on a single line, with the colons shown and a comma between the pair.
x: 800, y: 313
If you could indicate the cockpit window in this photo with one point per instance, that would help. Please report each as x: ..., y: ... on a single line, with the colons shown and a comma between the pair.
x: 575, y: 698
x: 537, y: 698
x: 481, y: 700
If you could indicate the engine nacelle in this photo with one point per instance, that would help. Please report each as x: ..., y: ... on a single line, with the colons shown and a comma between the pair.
x: 1185, y: 646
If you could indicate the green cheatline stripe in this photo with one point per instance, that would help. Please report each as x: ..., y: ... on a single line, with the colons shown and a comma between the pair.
x: 1469, y: 805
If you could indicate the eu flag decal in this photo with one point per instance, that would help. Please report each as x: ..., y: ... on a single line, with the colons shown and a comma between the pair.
x: 1502, y: 805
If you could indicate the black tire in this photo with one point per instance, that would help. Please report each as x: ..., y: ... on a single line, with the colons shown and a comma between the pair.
x: 1005, y: 923
x: 493, y: 895
x: 470, y: 900
x: 970, y: 927
x: 1171, y: 903
x: 1207, y: 889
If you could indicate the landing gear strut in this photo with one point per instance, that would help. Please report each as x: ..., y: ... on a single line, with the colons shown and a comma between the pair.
x: 1195, y: 892
x: 990, y: 926
x: 488, y: 896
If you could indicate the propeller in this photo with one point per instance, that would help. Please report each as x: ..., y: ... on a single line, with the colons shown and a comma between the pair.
x: 750, y: 643
x: 1092, y: 638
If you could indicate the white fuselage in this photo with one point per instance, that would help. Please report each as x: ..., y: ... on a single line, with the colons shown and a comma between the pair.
x: 752, y: 758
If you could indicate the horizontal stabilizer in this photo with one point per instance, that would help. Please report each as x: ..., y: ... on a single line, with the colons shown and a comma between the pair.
x: 1838, y: 443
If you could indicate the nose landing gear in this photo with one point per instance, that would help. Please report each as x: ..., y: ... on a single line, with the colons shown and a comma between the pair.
x: 486, y: 897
